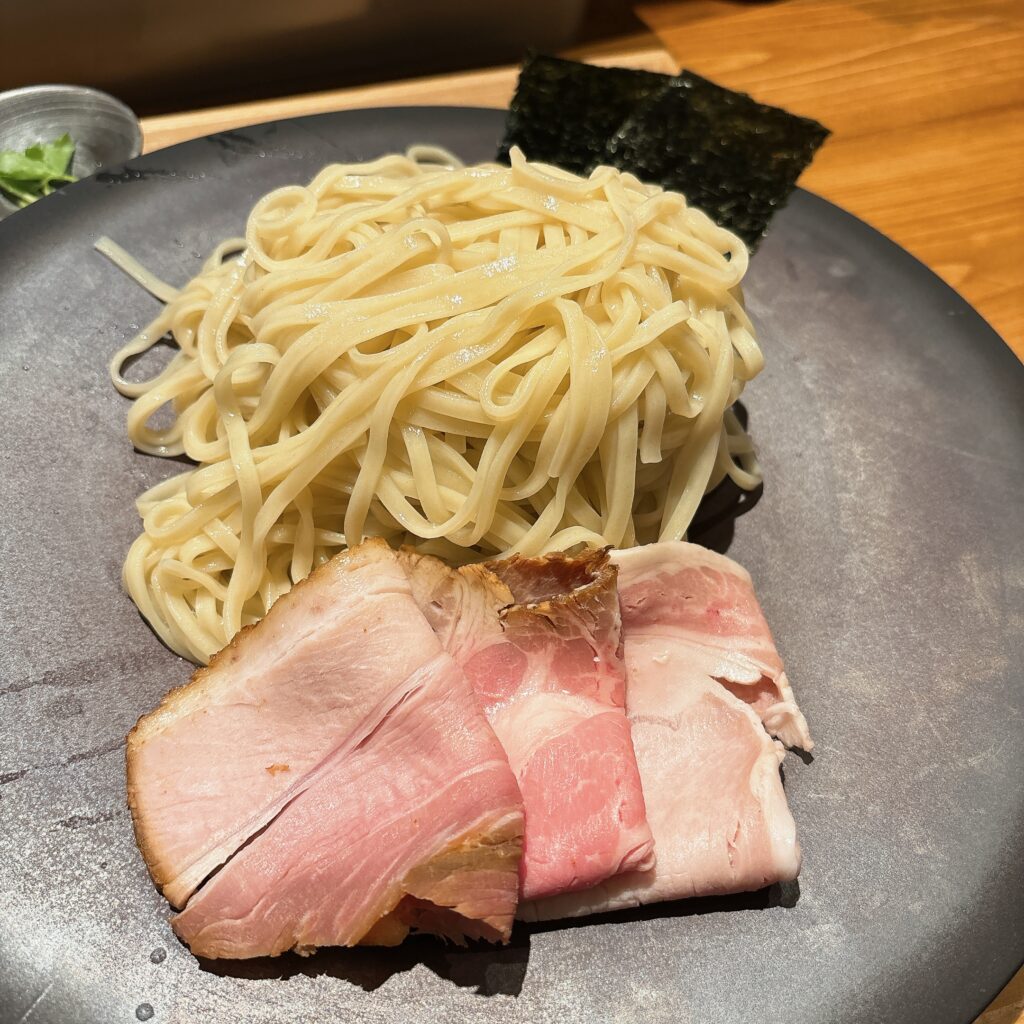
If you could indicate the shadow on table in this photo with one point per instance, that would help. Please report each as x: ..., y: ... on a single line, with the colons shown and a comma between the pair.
x: 714, y: 522
x: 487, y: 970
x: 782, y: 894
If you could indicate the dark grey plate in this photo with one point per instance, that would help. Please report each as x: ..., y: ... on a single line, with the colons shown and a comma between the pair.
x: 888, y: 552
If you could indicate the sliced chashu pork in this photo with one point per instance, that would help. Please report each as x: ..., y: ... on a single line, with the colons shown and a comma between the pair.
x: 332, y: 766
x: 705, y: 603
x: 539, y: 640
x: 694, y: 638
x: 416, y: 826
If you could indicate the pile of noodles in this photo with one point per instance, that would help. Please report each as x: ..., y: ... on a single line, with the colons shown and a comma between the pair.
x: 472, y: 360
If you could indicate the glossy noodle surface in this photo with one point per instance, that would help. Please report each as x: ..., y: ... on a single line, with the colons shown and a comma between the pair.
x: 475, y: 360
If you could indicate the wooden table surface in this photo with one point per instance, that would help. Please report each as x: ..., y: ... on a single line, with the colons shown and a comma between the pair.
x: 925, y: 99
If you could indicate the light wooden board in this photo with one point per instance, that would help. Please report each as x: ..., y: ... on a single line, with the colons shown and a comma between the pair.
x: 926, y: 102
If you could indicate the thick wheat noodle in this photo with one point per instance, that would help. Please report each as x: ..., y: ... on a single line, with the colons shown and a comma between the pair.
x: 471, y: 360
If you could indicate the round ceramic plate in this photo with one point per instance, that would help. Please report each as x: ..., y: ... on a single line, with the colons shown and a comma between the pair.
x: 887, y: 550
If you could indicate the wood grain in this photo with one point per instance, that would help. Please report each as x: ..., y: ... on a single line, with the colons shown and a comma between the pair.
x: 924, y: 97
x: 1008, y: 1006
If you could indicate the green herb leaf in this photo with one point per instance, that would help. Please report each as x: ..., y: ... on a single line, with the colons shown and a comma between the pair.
x: 21, y: 167
x: 16, y: 190
x: 28, y: 176
x: 57, y: 154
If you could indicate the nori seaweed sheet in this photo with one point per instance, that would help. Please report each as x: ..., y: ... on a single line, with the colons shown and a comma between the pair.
x: 734, y: 158
x: 564, y: 112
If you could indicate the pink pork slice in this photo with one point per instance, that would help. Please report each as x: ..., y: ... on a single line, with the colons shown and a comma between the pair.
x: 539, y: 640
x: 416, y: 826
x: 705, y: 603
x: 695, y: 643
x: 249, y: 761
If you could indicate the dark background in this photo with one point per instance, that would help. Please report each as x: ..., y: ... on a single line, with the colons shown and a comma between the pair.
x: 160, y: 57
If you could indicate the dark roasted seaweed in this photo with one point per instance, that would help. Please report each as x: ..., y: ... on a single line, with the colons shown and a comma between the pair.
x: 563, y: 112
x: 734, y: 158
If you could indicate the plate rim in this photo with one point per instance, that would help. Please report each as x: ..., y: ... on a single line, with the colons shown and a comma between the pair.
x: 801, y: 195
